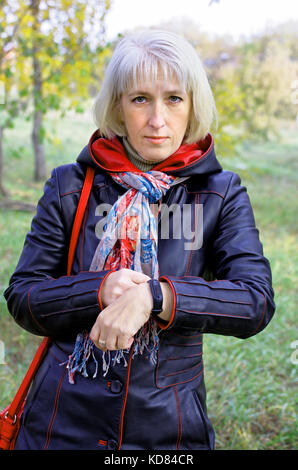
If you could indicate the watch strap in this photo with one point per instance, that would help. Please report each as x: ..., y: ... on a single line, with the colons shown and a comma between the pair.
x: 156, y: 295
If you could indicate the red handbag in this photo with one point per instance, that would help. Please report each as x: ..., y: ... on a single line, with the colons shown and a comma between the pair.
x: 10, y: 417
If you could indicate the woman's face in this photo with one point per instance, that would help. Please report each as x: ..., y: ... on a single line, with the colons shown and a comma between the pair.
x: 156, y: 116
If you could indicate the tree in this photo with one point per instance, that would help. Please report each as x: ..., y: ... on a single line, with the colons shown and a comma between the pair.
x: 56, y: 41
x: 10, y: 104
x: 266, y: 73
x: 49, y: 50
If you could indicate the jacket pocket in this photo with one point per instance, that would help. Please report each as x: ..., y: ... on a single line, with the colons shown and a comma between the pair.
x: 179, y: 359
x: 192, y: 429
x: 206, y: 425
x: 36, y: 385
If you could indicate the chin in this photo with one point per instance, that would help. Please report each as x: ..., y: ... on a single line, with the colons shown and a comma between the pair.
x: 156, y: 158
x: 155, y: 155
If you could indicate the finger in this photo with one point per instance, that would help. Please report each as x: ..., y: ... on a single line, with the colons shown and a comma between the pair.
x: 97, y: 337
x: 138, y: 278
x: 124, y: 342
x: 102, y: 344
x: 94, y: 333
x: 111, y: 343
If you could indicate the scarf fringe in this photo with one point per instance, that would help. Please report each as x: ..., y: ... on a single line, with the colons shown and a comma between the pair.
x: 77, y: 361
x: 146, y: 342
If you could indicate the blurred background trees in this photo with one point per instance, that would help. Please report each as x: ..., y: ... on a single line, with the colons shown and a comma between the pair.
x: 251, y: 80
x: 53, y: 54
x: 49, y: 59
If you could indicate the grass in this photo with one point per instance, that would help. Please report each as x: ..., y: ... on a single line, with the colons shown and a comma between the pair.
x: 251, y: 384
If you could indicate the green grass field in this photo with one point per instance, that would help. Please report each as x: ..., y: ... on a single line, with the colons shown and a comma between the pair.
x: 251, y: 384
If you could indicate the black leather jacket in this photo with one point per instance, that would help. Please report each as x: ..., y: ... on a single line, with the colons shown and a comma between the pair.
x: 221, y: 284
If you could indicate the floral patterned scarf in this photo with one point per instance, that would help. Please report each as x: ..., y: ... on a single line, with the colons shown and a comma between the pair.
x: 129, y: 241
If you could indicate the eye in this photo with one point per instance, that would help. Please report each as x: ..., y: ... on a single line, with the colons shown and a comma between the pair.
x: 175, y: 99
x: 139, y: 99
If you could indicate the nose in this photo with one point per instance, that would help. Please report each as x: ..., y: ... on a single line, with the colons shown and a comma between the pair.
x: 157, y: 116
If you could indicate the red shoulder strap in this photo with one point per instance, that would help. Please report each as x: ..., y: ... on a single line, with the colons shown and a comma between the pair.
x: 79, y: 216
x: 17, y: 403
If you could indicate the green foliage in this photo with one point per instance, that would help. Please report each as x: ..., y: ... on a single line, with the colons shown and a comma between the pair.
x: 229, y: 102
x: 54, y: 35
x: 252, y: 82
x: 266, y: 73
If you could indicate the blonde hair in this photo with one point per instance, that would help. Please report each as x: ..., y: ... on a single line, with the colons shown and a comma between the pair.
x: 143, y: 56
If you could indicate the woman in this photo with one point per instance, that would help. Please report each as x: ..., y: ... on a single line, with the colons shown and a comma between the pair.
x: 125, y: 369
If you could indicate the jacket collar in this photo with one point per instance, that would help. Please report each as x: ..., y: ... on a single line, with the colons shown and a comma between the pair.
x: 188, y: 160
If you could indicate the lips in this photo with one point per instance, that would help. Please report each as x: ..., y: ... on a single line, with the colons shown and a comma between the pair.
x: 156, y: 140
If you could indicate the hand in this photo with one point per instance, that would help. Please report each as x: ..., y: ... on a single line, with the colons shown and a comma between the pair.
x: 118, y: 282
x: 117, y: 324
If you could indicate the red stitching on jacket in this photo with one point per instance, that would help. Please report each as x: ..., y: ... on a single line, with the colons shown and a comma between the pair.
x: 174, y: 303
x: 182, y: 371
x: 124, y: 400
x: 102, y: 443
x: 79, y: 190
x: 207, y: 284
x: 183, y: 357
x: 212, y: 313
x: 69, y: 310
x: 81, y: 256
x: 58, y: 359
x: 78, y: 281
x: 202, y: 191
x: 182, y: 382
x: 40, y: 302
x: 186, y: 336
x: 216, y: 299
x: 99, y: 290
x: 164, y: 327
x: 261, y: 321
x: 71, y: 192
x: 55, y: 409
x: 179, y: 433
x: 212, y: 192
x: 194, y: 230
x: 31, y: 313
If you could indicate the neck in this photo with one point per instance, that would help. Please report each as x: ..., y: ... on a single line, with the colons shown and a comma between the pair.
x: 136, y: 159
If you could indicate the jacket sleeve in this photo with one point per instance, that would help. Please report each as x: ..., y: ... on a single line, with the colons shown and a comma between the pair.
x: 240, y: 301
x: 40, y: 296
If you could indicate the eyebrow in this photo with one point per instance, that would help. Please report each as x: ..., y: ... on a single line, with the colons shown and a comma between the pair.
x: 167, y: 92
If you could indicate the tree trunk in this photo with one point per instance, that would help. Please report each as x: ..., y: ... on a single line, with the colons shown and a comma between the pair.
x: 3, y: 191
x: 39, y: 153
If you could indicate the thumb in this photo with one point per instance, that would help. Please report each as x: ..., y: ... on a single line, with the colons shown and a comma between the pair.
x: 138, y: 278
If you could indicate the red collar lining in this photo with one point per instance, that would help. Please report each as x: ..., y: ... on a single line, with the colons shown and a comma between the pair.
x: 110, y: 155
